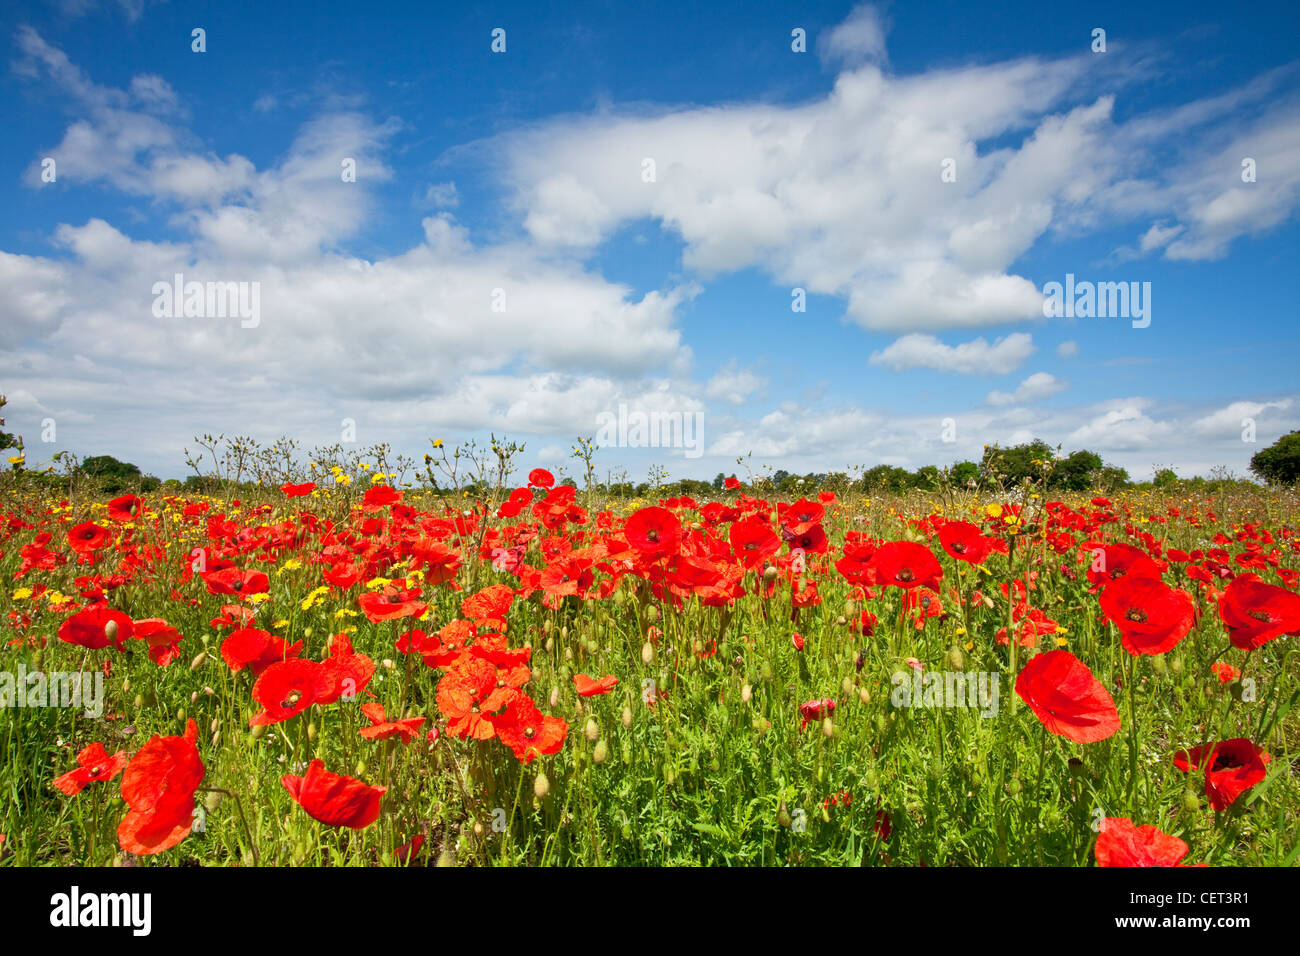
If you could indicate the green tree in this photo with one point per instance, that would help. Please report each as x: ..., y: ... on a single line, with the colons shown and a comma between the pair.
x: 1278, y: 464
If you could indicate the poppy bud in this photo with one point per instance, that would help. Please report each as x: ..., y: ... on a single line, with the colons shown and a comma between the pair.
x: 194, y: 697
x: 864, y: 695
x: 212, y: 727
x: 216, y: 737
x: 388, y: 663
x: 478, y: 828
x: 199, y: 660
x: 258, y: 732
x: 592, y: 730
x: 360, y: 768
x: 783, y: 816
x: 746, y: 692
x: 126, y: 685
x: 138, y: 703
x: 765, y: 670
x: 828, y: 728
x: 769, y: 573
x: 1191, y: 801
x: 550, y: 644
x: 647, y: 653
x: 841, y: 620
x: 180, y: 714
x: 541, y: 786
x: 627, y: 717
x: 446, y: 858
x: 1176, y: 665
x: 311, y: 730
x: 846, y: 686
x: 627, y: 831
x: 1158, y: 663
x: 110, y: 630
x: 564, y: 633
x: 670, y: 776
x: 652, y: 613
x: 212, y: 801
x: 555, y: 696
x: 601, y: 752
x: 626, y: 752
x: 956, y: 659
x: 826, y: 814
x: 568, y: 653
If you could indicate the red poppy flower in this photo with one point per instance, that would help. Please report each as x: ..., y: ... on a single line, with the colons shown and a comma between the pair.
x: 1151, y: 616
x: 527, y: 731
x: 96, y: 766
x: 754, y: 541
x: 802, y: 516
x: 1231, y: 768
x: 1121, y: 843
x: 162, y: 639
x: 587, y: 687
x: 347, y: 673
x: 965, y: 542
x: 1115, y: 561
x: 256, y: 649
x: 731, y: 484
x: 467, y: 694
x: 541, y: 478
x: 288, y: 688
x: 333, y: 799
x: 1225, y: 672
x: 906, y: 564
x: 236, y: 581
x: 797, y: 640
x: 88, y: 537
x: 1063, y: 694
x: 391, y: 604
x: 1256, y: 613
x: 491, y: 603
x: 96, y: 627
x: 158, y: 786
x: 298, y: 491
x: 380, y: 496
x: 381, y: 728
x: 654, y: 532
x: 125, y: 508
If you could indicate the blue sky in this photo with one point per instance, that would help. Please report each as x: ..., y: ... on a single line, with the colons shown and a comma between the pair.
x: 923, y: 337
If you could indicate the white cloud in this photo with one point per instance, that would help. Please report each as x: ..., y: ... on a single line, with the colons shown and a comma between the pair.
x: 1068, y: 349
x: 734, y: 385
x: 860, y: 38
x: 1038, y: 386
x: 976, y: 357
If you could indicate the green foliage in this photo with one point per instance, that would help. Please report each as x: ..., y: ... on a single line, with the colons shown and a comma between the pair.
x: 1279, y: 464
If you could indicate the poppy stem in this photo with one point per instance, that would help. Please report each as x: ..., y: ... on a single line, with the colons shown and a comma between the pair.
x: 239, y: 805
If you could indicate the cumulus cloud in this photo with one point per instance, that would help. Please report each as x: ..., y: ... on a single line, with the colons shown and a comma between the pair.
x: 976, y: 357
x: 734, y: 385
x: 1038, y: 386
